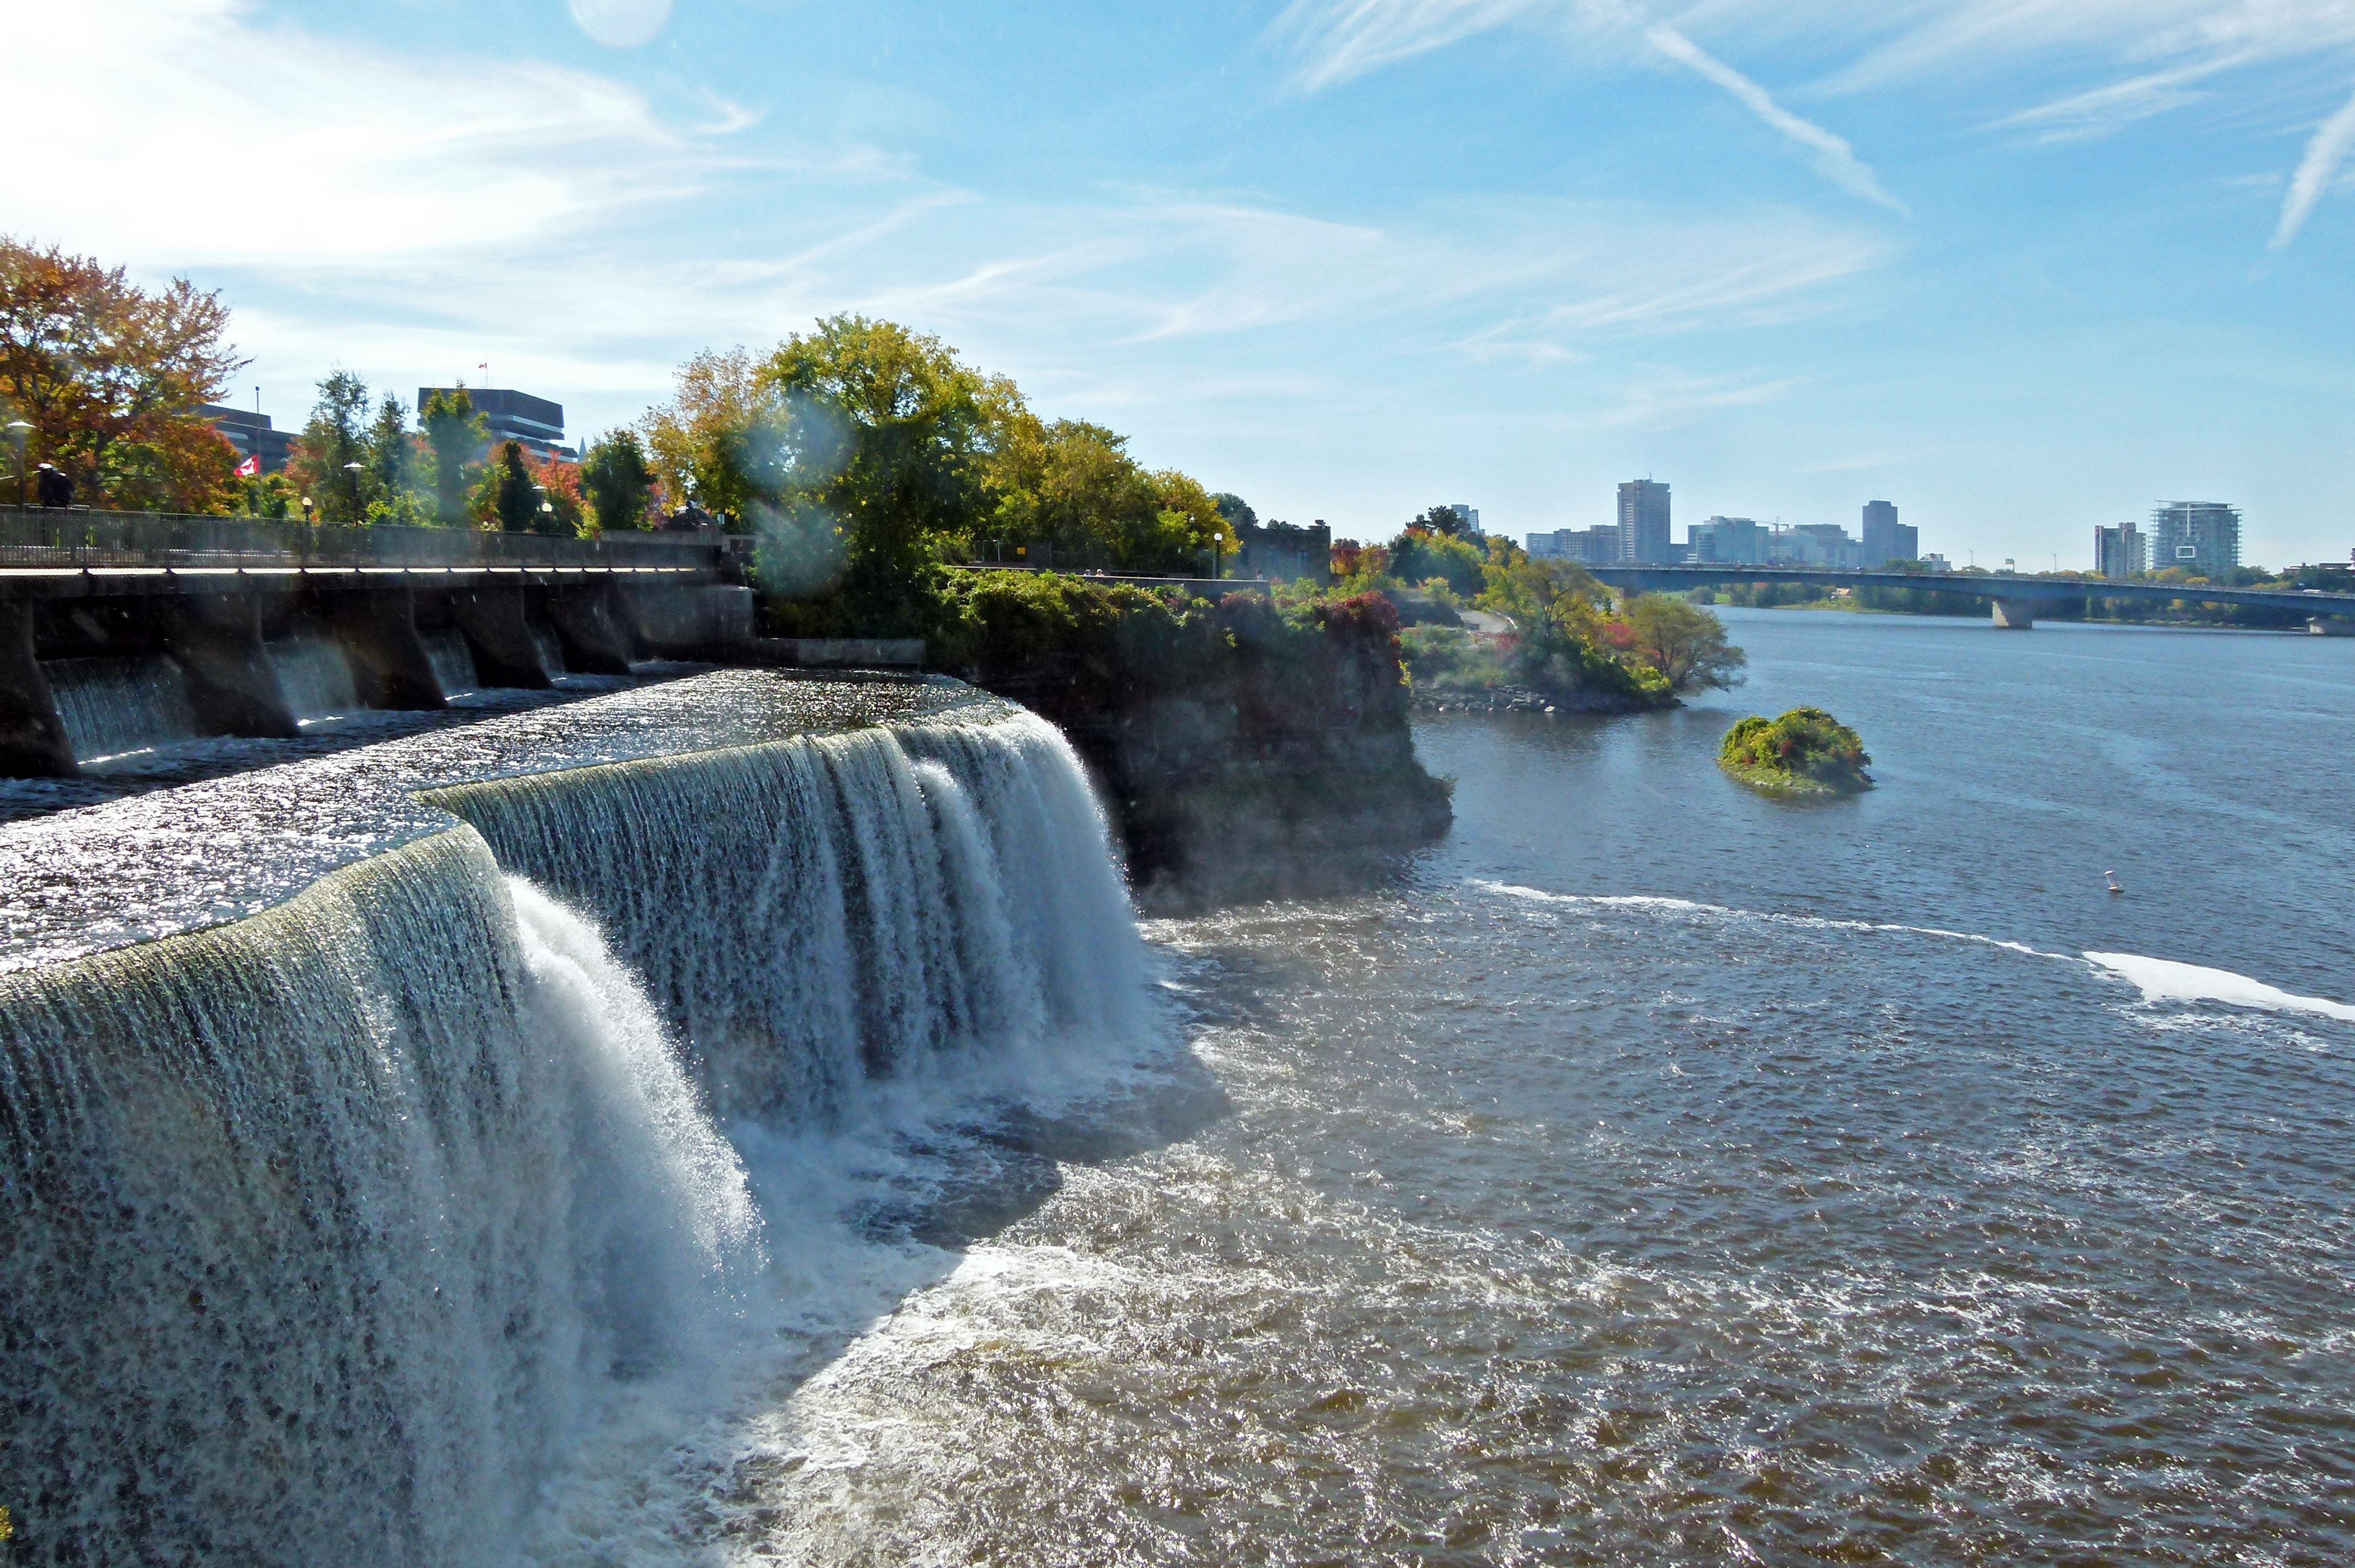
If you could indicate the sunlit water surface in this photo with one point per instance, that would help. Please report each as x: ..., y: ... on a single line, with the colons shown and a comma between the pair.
x: 1659, y: 1174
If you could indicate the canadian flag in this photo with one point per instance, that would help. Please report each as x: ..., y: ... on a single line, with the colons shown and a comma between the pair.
x: 249, y: 467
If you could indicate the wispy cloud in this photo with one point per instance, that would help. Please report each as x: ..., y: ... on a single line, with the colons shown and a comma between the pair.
x: 1671, y: 399
x: 317, y: 150
x: 2324, y: 154
x: 1339, y: 41
x: 2098, y: 111
x: 1831, y: 154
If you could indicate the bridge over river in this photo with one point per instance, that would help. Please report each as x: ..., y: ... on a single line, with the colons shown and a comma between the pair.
x: 2013, y: 600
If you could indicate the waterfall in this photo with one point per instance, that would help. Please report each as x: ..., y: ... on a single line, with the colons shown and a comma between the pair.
x: 453, y: 661
x: 315, y: 677
x: 551, y: 649
x: 325, y: 1227
x: 114, y: 705
x: 817, y: 911
x: 331, y: 1232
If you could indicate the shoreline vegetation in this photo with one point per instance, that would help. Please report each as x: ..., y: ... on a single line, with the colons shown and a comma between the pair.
x: 1806, y: 752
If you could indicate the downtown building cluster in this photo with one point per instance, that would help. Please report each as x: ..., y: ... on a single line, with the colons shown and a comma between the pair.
x: 1642, y: 536
x: 2201, y: 537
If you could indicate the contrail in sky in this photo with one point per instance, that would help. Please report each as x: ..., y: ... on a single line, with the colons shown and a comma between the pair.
x: 1832, y: 156
x: 2323, y: 156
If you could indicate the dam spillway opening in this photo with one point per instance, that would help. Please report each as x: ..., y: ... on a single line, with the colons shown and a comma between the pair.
x: 375, y: 1136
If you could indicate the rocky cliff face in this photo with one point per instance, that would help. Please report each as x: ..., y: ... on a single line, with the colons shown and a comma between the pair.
x: 1248, y: 753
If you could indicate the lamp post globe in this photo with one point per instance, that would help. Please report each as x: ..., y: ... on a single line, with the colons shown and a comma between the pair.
x: 19, y: 430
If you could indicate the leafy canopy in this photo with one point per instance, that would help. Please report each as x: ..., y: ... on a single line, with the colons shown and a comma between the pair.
x: 110, y: 378
x: 1804, y: 748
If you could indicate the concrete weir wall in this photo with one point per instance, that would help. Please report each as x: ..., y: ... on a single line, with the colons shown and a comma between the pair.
x: 214, y: 628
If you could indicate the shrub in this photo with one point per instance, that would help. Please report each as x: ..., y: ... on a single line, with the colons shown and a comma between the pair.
x: 1806, y: 750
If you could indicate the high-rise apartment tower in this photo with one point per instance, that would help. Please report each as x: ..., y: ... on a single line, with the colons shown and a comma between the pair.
x: 1644, y: 524
x: 2203, y: 537
x: 2120, y: 553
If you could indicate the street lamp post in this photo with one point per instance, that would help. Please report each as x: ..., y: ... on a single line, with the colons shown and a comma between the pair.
x: 18, y: 430
x: 354, y: 470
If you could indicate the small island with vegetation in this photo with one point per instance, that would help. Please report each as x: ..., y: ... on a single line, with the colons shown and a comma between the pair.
x: 1805, y: 752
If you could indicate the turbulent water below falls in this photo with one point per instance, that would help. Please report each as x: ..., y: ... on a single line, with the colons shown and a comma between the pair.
x: 1660, y: 1174
x: 1655, y: 1174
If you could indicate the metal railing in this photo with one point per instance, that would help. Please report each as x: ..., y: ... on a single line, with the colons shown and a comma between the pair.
x: 77, y: 538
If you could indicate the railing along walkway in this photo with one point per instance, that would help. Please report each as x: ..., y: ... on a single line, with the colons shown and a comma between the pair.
x: 50, y: 539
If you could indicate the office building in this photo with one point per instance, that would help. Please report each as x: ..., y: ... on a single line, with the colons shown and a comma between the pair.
x: 1885, y: 538
x: 1730, y: 541
x: 1644, y: 524
x: 2120, y: 553
x: 1285, y: 552
x: 1467, y: 515
x: 533, y: 423
x: 1824, y: 545
x: 2202, y: 537
x: 1586, y: 547
x: 250, y: 434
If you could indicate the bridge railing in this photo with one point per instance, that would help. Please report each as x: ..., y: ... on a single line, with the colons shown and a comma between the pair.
x: 76, y: 538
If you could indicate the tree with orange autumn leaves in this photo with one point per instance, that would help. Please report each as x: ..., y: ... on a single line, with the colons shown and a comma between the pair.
x: 111, y: 376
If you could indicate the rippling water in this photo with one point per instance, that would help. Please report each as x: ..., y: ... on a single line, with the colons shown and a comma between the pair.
x: 1665, y: 1174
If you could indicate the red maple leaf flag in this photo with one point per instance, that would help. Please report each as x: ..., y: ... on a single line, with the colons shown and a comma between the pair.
x: 249, y: 467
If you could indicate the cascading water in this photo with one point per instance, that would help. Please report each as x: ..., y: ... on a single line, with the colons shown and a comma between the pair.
x: 314, y: 677
x: 325, y: 1225
x: 817, y: 911
x: 333, y: 1230
x: 453, y: 661
x: 114, y: 705
x: 551, y: 649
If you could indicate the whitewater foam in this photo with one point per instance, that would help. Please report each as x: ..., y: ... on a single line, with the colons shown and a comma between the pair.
x: 1802, y: 922
x: 2164, y: 980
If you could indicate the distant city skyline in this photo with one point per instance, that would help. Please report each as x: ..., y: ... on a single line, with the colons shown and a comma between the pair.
x: 2031, y: 268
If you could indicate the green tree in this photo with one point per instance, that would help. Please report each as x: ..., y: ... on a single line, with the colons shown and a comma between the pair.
x: 391, y: 454
x: 1072, y: 485
x: 335, y: 436
x: 1441, y: 520
x: 515, y: 502
x: 883, y: 438
x: 1566, y: 638
x: 724, y: 439
x: 619, y: 481
x: 1237, y: 512
x: 1686, y: 644
x: 455, y: 437
x: 1419, y: 555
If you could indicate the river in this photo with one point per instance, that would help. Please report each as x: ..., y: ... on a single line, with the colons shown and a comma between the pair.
x: 1659, y: 1173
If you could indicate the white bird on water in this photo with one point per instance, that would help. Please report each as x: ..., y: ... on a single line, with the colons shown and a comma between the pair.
x: 2115, y: 888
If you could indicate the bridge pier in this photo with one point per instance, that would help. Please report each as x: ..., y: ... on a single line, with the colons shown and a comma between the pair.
x: 492, y: 621
x: 2329, y: 626
x: 2015, y: 614
x: 33, y: 743
x: 217, y: 642
x: 389, y: 665
x: 594, y: 640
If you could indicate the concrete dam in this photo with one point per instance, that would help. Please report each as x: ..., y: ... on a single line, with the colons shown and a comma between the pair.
x: 373, y: 1126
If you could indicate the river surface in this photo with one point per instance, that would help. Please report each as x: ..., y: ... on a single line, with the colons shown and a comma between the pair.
x: 1659, y: 1173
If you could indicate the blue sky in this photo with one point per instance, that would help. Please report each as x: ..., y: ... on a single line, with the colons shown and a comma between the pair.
x: 2020, y: 266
